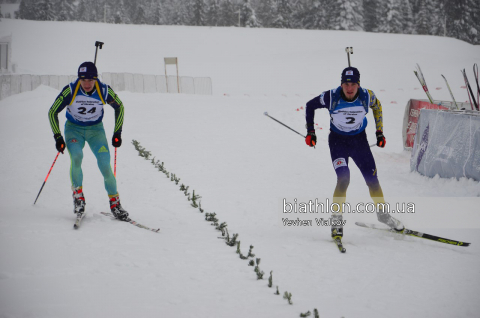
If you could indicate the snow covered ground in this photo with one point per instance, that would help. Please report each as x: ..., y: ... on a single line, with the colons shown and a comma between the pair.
x: 243, y: 165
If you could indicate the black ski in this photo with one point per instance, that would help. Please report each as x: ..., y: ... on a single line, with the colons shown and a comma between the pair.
x: 131, y: 222
x: 475, y: 75
x: 415, y: 234
x: 78, y: 220
x: 469, y: 90
x: 338, y: 241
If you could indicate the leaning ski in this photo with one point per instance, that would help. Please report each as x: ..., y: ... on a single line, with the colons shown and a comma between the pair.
x: 415, y: 234
x: 422, y: 81
x: 450, y: 90
x: 338, y: 241
x: 475, y: 75
x: 469, y: 91
x: 78, y: 220
x: 132, y: 222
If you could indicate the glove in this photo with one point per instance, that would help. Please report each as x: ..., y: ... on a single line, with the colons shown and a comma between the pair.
x: 380, y: 139
x: 311, y: 138
x: 117, y: 140
x: 59, y: 143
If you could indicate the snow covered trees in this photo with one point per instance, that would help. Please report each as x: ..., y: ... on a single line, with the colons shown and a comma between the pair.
x: 459, y: 19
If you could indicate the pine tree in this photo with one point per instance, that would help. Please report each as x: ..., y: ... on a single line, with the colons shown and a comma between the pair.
x: 229, y: 14
x: 26, y: 10
x: 437, y: 17
x: 371, y: 9
x: 120, y: 15
x: 421, y: 18
x: 99, y: 8
x: 44, y: 10
x: 139, y: 16
x: 179, y: 12
x: 247, y: 16
x: 350, y: 15
x: 199, y: 13
x: 213, y: 13
x: 156, y: 13
x: 392, y: 21
x: 283, y: 15
x: 264, y: 12
x: 64, y: 10
x: 109, y: 11
x: 298, y: 15
x: 407, y: 17
x: 129, y: 8
x: 81, y: 14
x: 473, y: 21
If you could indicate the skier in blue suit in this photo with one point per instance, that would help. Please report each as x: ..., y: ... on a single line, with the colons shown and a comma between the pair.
x: 348, y: 106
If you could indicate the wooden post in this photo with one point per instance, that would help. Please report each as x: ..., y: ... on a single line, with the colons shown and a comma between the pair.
x: 172, y: 60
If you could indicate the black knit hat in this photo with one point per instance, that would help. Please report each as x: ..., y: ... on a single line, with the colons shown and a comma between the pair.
x: 351, y: 75
x: 87, y: 70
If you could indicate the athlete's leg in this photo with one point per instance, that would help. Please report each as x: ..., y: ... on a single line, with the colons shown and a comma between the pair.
x: 75, y: 140
x: 98, y: 144
x: 339, y: 152
x: 363, y: 158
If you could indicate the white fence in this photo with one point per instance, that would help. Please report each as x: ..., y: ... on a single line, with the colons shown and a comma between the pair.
x: 137, y: 83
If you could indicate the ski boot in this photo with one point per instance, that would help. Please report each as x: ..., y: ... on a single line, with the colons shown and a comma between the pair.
x: 337, y: 226
x: 337, y: 231
x: 389, y: 220
x: 78, y: 201
x: 117, y: 209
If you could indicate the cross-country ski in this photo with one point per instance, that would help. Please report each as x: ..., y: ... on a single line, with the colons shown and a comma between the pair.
x: 415, y: 234
x: 132, y: 222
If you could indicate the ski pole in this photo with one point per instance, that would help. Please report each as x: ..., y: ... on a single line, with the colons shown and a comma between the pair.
x: 266, y: 114
x: 349, y: 51
x: 115, y: 164
x: 97, y: 45
x: 46, y: 178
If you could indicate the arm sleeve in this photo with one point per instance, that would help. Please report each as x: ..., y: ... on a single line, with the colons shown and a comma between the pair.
x: 321, y: 101
x: 117, y: 105
x: 62, y: 100
x: 376, y: 107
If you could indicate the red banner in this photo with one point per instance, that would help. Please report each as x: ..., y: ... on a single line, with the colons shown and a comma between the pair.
x: 413, y: 113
